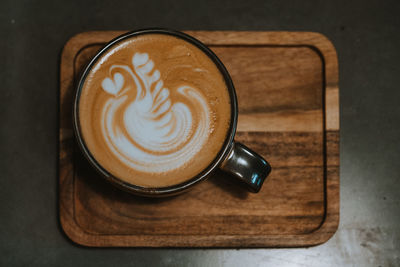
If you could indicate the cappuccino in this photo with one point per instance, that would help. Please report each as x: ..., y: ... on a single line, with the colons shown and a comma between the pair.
x: 154, y: 110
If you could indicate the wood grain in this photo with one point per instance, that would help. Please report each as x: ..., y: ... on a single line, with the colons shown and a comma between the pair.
x: 287, y: 86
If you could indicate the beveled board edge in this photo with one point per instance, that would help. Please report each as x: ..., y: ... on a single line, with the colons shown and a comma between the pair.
x: 327, y: 228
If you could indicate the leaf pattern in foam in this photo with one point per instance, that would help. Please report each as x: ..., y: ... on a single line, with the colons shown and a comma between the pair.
x: 155, y: 96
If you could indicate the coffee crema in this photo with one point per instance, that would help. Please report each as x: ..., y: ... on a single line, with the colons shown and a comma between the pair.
x: 154, y: 110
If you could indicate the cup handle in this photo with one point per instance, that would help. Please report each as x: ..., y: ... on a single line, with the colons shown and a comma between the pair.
x: 246, y: 166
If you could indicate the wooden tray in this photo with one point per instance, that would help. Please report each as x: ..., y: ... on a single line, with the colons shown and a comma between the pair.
x: 287, y: 86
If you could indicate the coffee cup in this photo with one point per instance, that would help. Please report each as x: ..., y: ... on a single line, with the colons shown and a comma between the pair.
x: 155, y: 112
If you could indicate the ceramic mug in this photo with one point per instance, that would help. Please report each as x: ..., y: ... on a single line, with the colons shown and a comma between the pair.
x: 240, y: 162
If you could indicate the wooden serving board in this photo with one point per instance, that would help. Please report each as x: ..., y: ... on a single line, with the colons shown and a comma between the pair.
x: 287, y: 87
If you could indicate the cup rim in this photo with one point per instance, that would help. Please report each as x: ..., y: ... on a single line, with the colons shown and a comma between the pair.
x: 166, y: 190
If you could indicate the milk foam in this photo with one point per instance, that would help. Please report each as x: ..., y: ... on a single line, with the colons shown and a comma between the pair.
x: 147, y: 131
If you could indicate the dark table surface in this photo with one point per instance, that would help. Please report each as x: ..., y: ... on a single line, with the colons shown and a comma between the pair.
x: 366, y: 36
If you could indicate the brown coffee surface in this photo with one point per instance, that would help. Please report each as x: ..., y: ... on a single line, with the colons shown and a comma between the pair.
x: 154, y: 110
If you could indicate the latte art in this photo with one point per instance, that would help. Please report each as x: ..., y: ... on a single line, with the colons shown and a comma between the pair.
x: 143, y: 127
x: 154, y: 110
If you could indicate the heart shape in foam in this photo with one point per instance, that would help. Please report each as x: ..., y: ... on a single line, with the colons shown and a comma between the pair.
x: 113, y: 86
